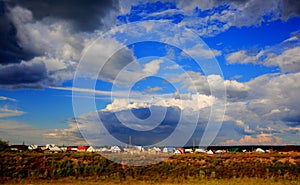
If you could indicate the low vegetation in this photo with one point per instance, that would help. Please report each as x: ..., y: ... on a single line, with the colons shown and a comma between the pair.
x: 3, y: 145
x: 191, y: 168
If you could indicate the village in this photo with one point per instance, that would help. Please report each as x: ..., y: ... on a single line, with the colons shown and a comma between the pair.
x: 53, y: 148
x: 50, y: 162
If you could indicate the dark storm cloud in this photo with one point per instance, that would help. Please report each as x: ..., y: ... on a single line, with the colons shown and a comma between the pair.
x: 10, y: 50
x: 293, y: 120
x: 159, y: 133
x: 84, y: 15
x: 23, y: 74
x: 290, y: 8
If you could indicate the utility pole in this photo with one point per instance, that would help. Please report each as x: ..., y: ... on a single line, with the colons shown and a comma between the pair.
x: 193, y: 144
x: 129, y: 141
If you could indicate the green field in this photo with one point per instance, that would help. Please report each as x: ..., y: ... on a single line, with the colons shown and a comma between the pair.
x: 87, y: 168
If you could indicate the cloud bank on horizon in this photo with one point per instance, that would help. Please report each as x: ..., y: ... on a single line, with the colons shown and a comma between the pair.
x: 256, y: 44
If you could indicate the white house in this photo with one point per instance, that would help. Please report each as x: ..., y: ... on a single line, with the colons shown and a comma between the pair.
x: 259, y: 150
x: 115, y: 149
x: 177, y: 152
x: 91, y: 149
x: 63, y: 148
x: 188, y: 150
x: 33, y: 147
x: 168, y: 149
x: 140, y: 148
x: 210, y: 152
x: 156, y: 149
x: 200, y: 150
x: 53, y: 148
x: 220, y: 151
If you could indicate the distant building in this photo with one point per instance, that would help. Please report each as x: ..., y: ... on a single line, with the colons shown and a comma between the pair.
x: 115, y: 149
x: 188, y: 150
x: 220, y: 151
x: 53, y: 148
x: 153, y: 150
x: 177, y: 152
x: 200, y: 150
x: 168, y: 149
x: 210, y: 152
x: 91, y: 149
x: 19, y: 148
x: 82, y: 148
x: 72, y: 149
x: 259, y: 150
x: 33, y: 147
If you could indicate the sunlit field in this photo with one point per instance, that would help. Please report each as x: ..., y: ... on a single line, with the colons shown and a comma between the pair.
x: 236, y: 181
x: 85, y: 168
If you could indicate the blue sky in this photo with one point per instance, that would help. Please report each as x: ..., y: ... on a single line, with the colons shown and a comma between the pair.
x: 162, y: 72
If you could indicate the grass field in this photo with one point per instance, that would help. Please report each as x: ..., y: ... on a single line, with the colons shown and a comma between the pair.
x: 88, y: 168
x: 88, y: 181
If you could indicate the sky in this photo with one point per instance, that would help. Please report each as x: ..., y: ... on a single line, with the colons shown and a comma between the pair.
x: 165, y: 73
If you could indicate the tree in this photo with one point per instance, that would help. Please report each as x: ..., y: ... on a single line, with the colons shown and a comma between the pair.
x: 3, y: 145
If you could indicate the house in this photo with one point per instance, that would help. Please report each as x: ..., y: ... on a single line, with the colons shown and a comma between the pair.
x: 188, y: 150
x: 72, y: 149
x: 210, y: 152
x: 63, y: 148
x: 259, y: 150
x: 53, y: 148
x: 168, y: 149
x: 42, y: 148
x: 200, y: 150
x: 177, y: 152
x: 139, y: 148
x: 156, y: 149
x: 135, y: 149
x: 33, y: 147
x: 48, y: 146
x: 36, y: 148
x: 82, y: 148
x: 220, y: 151
x: 181, y: 150
x: 18, y: 148
x: 91, y: 149
x: 115, y: 149
x: 132, y: 150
